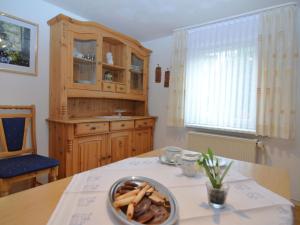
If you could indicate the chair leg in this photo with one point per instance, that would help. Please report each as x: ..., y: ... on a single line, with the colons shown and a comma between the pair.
x: 53, y: 174
x: 33, y: 182
x: 4, y: 188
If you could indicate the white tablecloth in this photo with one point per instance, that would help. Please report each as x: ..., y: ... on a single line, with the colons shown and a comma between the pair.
x: 84, y: 201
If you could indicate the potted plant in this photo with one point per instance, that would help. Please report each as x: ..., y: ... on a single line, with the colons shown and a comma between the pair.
x: 216, y: 189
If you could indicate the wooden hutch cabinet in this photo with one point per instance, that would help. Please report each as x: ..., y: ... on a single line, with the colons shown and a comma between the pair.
x: 96, y: 72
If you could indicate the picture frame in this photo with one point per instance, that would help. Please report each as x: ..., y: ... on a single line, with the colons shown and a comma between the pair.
x: 18, y: 45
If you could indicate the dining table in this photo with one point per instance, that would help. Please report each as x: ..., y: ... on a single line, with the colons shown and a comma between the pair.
x: 36, y: 205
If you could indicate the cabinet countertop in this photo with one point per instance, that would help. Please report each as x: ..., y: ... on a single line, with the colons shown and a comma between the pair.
x: 99, y: 119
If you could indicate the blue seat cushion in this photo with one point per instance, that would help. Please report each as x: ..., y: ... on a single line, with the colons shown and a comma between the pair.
x: 14, y: 132
x: 15, y: 166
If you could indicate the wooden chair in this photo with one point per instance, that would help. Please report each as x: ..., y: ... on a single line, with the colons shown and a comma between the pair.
x: 17, y: 161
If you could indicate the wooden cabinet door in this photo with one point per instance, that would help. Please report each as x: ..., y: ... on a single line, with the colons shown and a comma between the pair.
x: 85, y: 60
x: 106, y: 156
x: 138, y: 73
x: 142, y: 141
x: 120, y: 145
x: 87, y: 153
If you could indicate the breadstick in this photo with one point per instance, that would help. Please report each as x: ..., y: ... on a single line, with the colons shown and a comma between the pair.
x: 142, y: 184
x: 140, y: 195
x: 123, y: 202
x: 156, y: 199
x: 130, y: 210
x: 159, y: 195
x: 128, y: 194
x: 150, y: 190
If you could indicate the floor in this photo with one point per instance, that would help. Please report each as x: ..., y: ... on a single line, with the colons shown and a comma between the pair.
x: 297, y: 215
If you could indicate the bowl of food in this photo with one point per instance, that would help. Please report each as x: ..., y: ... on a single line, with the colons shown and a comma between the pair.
x: 141, y: 200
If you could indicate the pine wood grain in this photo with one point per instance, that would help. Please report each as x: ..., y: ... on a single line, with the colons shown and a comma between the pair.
x: 297, y: 215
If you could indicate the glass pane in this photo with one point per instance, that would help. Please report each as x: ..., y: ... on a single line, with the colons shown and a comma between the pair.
x: 136, y: 81
x: 84, y: 61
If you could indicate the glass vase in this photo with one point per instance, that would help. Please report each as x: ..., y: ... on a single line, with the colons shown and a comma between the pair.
x: 217, y: 197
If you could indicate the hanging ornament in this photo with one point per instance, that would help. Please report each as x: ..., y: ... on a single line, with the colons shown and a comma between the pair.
x: 167, y: 78
x: 158, y: 74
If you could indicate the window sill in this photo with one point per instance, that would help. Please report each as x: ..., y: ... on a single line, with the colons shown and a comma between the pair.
x: 222, y: 131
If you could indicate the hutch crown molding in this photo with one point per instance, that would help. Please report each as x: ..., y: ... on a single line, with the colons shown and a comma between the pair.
x: 94, y: 73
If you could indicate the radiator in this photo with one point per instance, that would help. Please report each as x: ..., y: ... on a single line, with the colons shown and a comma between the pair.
x: 226, y: 146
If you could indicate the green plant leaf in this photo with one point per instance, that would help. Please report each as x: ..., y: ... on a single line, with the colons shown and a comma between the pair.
x: 226, y: 171
x: 213, y: 171
x: 210, y: 153
x: 210, y: 177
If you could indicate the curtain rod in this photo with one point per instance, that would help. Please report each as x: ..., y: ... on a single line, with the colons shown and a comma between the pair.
x: 236, y: 16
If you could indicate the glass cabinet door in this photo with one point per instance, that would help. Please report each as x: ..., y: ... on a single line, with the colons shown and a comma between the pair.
x: 137, y: 74
x: 85, y: 57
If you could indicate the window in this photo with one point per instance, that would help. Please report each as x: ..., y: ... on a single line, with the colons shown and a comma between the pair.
x: 221, y: 75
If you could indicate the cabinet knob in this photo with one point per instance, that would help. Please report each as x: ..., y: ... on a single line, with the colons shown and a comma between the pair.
x: 122, y: 125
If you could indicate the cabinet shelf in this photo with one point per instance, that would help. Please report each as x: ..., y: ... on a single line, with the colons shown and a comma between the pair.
x: 113, y: 82
x: 113, y: 67
x: 81, y: 60
x: 76, y: 93
x: 136, y: 72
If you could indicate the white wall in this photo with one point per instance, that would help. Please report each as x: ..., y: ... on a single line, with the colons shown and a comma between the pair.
x: 279, y: 153
x: 24, y: 89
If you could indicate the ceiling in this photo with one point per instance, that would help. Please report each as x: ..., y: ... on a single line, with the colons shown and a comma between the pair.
x: 150, y: 19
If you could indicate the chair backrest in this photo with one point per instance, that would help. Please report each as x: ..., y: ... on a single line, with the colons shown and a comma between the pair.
x: 15, y: 123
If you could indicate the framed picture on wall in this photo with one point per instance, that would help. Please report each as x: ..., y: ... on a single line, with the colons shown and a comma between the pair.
x: 18, y: 45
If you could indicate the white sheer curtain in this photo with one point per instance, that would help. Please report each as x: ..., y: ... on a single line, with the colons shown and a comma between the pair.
x: 177, y: 80
x: 278, y: 58
x: 221, y: 75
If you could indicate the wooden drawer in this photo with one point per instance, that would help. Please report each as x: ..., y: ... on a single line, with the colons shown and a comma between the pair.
x: 121, y: 88
x: 91, y: 128
x: 144, y: 123
x: 121, y: 125
x: 110, y: 87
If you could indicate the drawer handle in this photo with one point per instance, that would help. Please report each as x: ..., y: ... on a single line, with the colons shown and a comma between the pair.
x: 93, y: 128
x: 108, y: 86
x: 145, y: 123
x: 122, y: 125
